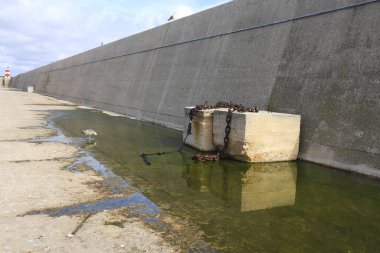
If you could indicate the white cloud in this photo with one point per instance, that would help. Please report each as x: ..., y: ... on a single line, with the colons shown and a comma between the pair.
x: 182, y: 11
x: 36, y: 32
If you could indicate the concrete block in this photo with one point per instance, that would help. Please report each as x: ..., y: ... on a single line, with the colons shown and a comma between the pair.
x: 258, y: 137
x: 30, y: 89
x: 201, y: 136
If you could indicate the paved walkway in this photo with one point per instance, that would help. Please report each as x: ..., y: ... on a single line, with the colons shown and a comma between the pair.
x: 32, y: 177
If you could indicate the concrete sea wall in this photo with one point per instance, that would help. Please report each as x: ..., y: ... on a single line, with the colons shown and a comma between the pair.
x: 320, y: 59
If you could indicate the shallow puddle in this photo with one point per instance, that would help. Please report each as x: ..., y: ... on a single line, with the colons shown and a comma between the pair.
x: 239, y: 207
x: 136, y: 200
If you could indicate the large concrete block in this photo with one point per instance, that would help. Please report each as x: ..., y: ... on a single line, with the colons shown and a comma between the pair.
x: 258, y: 137
x: 201, y: 136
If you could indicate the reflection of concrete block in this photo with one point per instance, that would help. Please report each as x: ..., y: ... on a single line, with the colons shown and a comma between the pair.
x: 30, y: 89
x: 247, y: 187
x: 201, y: 136
x: 270, y: 186
x: 203, y: 176
x: 259, y: 137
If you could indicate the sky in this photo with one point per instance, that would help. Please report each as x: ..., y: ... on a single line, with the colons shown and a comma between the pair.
x: 34, y: 33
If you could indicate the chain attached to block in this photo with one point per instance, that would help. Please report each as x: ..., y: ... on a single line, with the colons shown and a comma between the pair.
x: 203, y: 157
x: 231, y: 108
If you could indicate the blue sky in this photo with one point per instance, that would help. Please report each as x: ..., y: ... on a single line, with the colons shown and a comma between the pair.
x: 34, y: 33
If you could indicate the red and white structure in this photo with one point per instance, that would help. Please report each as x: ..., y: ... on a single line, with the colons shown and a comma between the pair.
x: 7, y: 73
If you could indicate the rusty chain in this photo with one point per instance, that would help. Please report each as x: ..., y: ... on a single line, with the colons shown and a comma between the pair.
x: 231, y: 108
x: 191, y: 116
x: 236, y: 107
x: 227, y: 131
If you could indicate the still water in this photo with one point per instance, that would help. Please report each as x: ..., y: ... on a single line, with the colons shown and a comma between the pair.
x: 239, y: 207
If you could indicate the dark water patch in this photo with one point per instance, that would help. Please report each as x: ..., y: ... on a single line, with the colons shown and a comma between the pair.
x: 140, y: 203
x: 58, y: 136
x: 239, y: 207
x: 115, y: 181
x: 85, y: 158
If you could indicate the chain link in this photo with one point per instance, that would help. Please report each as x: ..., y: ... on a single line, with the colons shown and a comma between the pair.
x: 227, y: 131
x: 236, y: 107
x: 231, y: 108
x: 191, y: 116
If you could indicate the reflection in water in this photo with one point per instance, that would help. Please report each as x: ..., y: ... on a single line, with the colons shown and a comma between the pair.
x: 257, y: 186
x: 333, y: 212
x: 89, y: 144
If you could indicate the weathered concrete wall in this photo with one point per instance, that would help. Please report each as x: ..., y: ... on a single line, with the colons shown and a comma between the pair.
x: 330, y: 74
x: 325, y: 67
